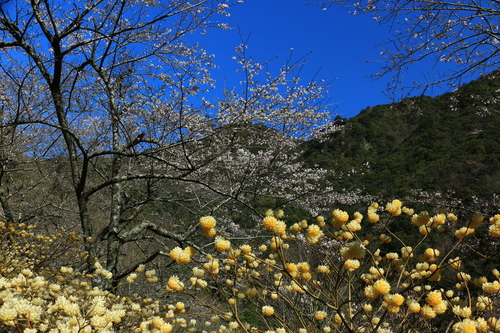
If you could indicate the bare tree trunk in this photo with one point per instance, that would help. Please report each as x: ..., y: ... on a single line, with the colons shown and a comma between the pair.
x: 113, y: 241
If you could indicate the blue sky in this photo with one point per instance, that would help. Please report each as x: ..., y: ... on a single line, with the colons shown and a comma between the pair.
x: 340, y: 44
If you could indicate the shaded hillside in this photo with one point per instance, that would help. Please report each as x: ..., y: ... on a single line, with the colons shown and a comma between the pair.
x: 449, y: 142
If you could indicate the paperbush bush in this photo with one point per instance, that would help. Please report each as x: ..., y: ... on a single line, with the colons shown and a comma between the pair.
x: 349, y: 273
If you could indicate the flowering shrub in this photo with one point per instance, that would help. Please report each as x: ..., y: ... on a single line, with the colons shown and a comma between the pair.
x: 352, y: 274
x: 26, y: 247
x: 38, y: 293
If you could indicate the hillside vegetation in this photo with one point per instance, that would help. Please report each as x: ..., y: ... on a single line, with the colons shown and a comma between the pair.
x: 447, y: 143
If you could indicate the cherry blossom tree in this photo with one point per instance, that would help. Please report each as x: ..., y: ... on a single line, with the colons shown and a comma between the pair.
x: 114, y: 90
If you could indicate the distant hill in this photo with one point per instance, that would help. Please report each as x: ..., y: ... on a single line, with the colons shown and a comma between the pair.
x: 446, y: 143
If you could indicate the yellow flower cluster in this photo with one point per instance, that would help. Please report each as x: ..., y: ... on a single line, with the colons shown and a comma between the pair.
x: 470, y: 326
x: 207, y: 223
x: 182, y: 256
x: 407, y: 252
x: 421, y: 219
x: 393, y: 302
x: 273, y: 224
x: 320, y: 315
x: 353, y: 250
x: 412, y: 263
x: 373, y: 217
x: 350, y: 280
x: 174, y: 284
x: 379, y: 287
x: 455, y: 263
x: 426, y: 223
x: 491, y: 287
x: 222, y: 244
x: 65, y: 301
x: 267, y: 310
x: 430, y: 255
x: 434, y: 298
x: 494, y: 228
x: 351, y: 264
x: 354, y: 225
x: 394, y: 207
x: 313, y: 234
x: 339, y: 217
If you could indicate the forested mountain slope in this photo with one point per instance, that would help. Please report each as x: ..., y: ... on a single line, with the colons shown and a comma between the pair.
x: 446, y: 143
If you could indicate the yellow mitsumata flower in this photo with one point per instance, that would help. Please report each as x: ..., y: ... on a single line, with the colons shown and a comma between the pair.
x: 464, y: 312
x: 370, y: 292
x: 321, y: 221
x: 174, y: 284
x: 431, y: 254
x: 291, y: 267
x: 427, y: 312
x: 323, y: 269
x: 267, y: 310
x: 320, y: 315
x: 279, y: 213
x: 464, y: 231
x: 392, y: 256
x: 494, y: 230
x: 434, y: 298
x: 270, y: 222
x: 441, y: 308
x: 408, y: 211
x: 209, y: 232
x: 295, y: 228
x: 207, y: 222
x: 413, y: 305
x: 479, y: 281
x: 367, y: 307
x: 351, y: 264
x: 421, y: 219
x: 280, y: 228
x: 314, y: 233
x: 394, y: 299
x: 394, y: 207
x: 246, y: 248
x: 339, y: 217
x: 382, y: 287
x: 222, y: 244
x: 352, y: 226
x: 353, y: 250
x: 182, y: 256
x: 303, y: 267
x: 455, y: 263
x: 373, y: 217
x: 465, y: 326
x: 407, y: 252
